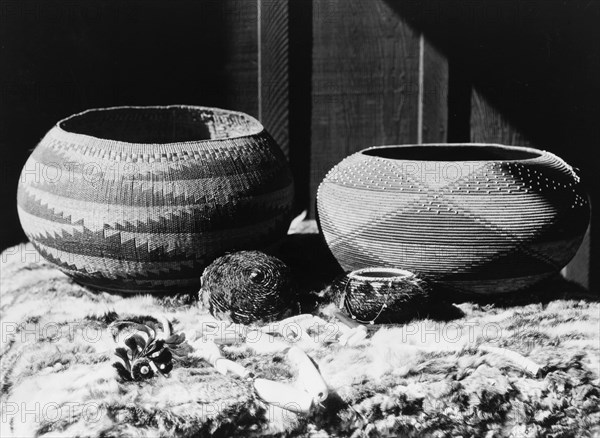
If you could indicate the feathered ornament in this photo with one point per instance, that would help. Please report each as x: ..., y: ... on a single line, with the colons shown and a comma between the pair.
x: 248, y: 287
x: 143, y: 352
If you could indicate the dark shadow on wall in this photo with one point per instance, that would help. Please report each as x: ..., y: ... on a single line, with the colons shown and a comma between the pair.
x: 535, y: 62
x: 61, y: 57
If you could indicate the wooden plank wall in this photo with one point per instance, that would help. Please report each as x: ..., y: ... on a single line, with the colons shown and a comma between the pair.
x: 240, y: 56
x: 273, y: 66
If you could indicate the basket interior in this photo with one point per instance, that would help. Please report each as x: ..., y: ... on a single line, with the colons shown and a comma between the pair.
x: 378, y: 274
x: 452, y: 152
x: 170, y: 124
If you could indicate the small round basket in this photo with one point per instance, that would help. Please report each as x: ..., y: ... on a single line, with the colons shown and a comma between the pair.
x: 381, y: 295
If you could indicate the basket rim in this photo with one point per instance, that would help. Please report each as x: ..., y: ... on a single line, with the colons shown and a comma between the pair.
x: 64, y: 133
x: 537, y: 153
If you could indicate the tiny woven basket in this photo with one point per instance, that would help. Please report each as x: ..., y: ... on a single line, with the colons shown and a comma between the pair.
x: 247, y: 287
x: 381, y: 295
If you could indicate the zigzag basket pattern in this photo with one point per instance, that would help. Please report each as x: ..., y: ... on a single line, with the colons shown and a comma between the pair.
x: 471, y: 217
x: 141, y: 199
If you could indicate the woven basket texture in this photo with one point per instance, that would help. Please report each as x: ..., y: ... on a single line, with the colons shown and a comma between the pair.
x: 473, y: 218
x: 248, y: 287
x: 391, y: 299
x: 141, y: 199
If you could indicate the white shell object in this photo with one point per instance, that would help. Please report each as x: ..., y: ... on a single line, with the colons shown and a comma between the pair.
x: 353, y: 336
x: 308, y: 375
x: 527, y: 364
x: 225, y: 366
x: 284, y: 396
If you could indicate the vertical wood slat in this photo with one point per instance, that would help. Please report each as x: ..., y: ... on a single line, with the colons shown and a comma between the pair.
x: 433, y: 72
x: 273, y: 69
x: 241, y: 47
x: 374, y: 83
x: 257, y: 63
x: 489, y: 126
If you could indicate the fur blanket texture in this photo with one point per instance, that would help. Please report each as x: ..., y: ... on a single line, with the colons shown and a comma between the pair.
x: 442, y: 375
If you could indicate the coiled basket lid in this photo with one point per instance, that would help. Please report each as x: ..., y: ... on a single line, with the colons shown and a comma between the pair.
x: 140, y: 199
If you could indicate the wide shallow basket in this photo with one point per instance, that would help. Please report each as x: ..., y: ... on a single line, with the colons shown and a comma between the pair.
x: 143, y: 198
x: 472, y: 217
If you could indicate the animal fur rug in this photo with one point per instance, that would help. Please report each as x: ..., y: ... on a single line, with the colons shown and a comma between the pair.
x: 428, y: 377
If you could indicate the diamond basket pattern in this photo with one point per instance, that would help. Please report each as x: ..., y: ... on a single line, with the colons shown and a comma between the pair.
x: 480, y: 218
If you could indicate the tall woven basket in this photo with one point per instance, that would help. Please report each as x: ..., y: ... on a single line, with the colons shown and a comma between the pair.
x: 471, y: 217
x: 141, y: 199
